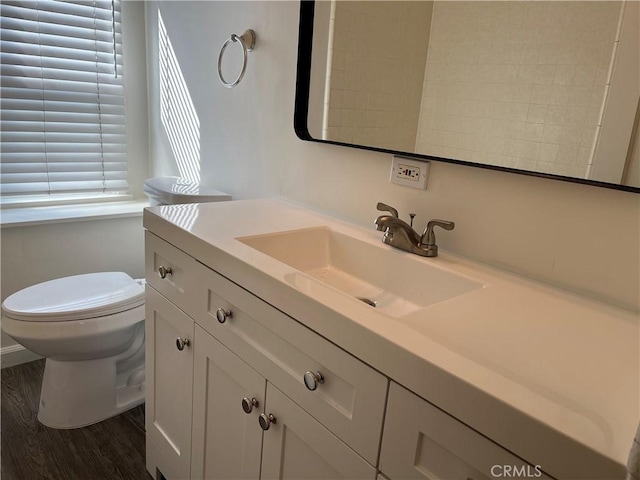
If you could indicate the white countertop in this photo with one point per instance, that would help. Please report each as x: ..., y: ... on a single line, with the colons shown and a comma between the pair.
x: 550, y: 375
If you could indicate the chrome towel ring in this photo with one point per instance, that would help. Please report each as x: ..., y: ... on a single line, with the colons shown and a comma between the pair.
x: 248, y: 42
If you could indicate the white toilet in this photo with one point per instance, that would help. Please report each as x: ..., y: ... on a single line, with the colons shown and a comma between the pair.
x: 90, y: 329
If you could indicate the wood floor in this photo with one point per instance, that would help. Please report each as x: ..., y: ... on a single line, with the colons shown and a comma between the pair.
x: 110, y: 450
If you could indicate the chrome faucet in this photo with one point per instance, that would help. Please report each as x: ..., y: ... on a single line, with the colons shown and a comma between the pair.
x: 400, y: 234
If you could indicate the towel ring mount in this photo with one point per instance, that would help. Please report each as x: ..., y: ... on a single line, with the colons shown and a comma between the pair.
x: 247, y: 42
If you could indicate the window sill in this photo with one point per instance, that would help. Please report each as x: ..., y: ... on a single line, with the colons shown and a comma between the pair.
x: 28, y: 216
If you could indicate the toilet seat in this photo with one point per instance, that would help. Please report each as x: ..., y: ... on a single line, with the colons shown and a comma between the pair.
x: 78, y: 297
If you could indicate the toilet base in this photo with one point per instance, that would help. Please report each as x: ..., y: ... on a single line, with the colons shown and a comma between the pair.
x: 80, y: 393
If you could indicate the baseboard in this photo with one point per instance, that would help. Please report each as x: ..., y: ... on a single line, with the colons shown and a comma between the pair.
x: 15, y: 355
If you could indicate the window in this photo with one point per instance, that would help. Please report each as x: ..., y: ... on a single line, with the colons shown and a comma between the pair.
x: 62, y: 100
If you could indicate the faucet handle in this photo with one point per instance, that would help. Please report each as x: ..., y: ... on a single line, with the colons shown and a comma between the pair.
x: 383, y: 207
x: 428, y: 237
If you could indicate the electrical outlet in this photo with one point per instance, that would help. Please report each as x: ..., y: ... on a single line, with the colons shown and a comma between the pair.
x: 409, y: 172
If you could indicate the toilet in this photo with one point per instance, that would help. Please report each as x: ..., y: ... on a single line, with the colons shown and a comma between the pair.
x: 90, y: 329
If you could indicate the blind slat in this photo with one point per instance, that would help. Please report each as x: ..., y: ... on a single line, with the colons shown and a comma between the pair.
x: 52, y: 57
x: 9, y: 127
x: 50, y: 67
x: 62, y: 122
x: 58, y: 101
x: 23, y: 161
x: 16, y: 87
x: 24, y: 38
x: 61, y: 117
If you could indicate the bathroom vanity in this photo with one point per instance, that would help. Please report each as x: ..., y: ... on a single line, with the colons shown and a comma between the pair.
x: 293, y: 345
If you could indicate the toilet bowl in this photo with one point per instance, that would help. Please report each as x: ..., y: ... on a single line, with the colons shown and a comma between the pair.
x: 90, y: 329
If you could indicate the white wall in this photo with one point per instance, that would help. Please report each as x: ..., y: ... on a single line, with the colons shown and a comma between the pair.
x: 575, y: 236
x: 238, y: 126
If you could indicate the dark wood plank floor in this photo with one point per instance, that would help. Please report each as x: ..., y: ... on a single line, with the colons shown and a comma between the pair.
x: 110, y: 450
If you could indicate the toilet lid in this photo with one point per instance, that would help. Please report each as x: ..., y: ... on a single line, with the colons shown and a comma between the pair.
x: 175, y: 190
x: 75, y: 298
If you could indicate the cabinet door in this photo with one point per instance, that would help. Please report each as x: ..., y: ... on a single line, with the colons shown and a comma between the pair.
x: 298, y: 447
x: 227, y: 441
x: 169, y: 377
x: 421, y: 441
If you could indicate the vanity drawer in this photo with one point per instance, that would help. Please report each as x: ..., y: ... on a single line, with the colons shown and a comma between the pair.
x: 421, y: 441
x: 350, y: 401
x: 170, y: 271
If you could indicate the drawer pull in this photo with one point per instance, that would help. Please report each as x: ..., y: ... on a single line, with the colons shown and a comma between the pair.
x: 247, y: 405
x: 164, y: 271
x: 312, y: 379
x: 265, y: 421
x: 182, y: 342
x: 222, y: 315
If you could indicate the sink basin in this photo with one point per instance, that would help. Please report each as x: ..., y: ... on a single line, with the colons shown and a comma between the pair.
x: 393, y: 282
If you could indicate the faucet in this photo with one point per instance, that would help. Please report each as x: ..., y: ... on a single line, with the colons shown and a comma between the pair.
x: 400, y: 234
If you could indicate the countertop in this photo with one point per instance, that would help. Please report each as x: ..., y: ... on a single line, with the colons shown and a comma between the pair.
x: 550, y: 375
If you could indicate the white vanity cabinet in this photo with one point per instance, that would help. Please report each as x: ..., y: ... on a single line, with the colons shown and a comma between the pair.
x: 259, y: 323
x: 242, y: 358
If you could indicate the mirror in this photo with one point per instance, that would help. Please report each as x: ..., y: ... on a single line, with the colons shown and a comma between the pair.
x: 534, y: 87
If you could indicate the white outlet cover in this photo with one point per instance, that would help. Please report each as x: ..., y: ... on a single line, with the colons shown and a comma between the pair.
x: 409, y: 172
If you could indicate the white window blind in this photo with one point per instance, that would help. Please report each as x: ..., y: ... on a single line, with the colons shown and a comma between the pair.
x: 62, y: 100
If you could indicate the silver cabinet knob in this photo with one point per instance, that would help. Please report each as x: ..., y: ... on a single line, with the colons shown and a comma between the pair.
x: 164, y: 271
x: 265, y: 421
x: 312, y: 379
x: 222, y: 315
x: 182, y: 342
x: 248, y: 404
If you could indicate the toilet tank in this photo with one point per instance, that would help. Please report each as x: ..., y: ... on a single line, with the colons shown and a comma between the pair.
x: 174, y: 190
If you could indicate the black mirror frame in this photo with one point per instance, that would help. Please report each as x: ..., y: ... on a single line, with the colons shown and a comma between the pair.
x: 301, y: 111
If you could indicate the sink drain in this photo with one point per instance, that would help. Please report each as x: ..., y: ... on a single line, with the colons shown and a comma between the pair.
x: 368, y: 301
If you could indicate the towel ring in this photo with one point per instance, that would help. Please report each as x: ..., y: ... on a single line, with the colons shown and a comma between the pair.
x: 248, y: 42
